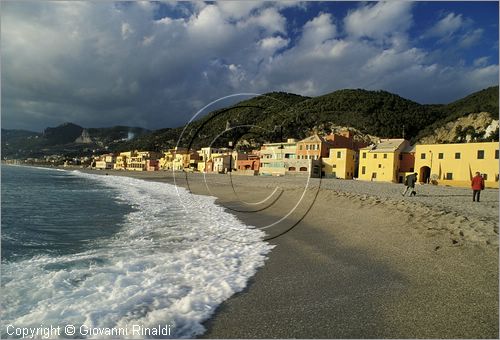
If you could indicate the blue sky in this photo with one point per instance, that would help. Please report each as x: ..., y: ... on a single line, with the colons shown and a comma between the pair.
x: 156, y: 64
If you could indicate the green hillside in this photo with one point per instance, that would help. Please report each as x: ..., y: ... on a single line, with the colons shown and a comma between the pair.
x: 254, y: 120
x: 271, y: 117
x: 279, y: 114
x: 378, y: 113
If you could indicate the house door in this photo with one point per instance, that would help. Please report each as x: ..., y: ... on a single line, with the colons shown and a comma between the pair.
x: 425, y: 174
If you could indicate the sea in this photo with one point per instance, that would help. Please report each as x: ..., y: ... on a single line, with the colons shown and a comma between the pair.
x: 84, y: 255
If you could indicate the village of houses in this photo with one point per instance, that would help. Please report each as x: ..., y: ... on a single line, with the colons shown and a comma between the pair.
x: 337, y: 155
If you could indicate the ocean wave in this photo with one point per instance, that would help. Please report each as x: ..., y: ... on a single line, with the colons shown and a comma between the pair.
x: 176, y: 258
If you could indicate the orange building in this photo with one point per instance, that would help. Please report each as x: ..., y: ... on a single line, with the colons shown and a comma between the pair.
x: 407, y: 159
x: 152, y: 165
x: 316, y: 147
x: 313, y: 147
x: 209, y: 166
x: 251, y: 163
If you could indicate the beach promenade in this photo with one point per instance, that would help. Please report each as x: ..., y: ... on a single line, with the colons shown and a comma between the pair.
x: 357, y: 260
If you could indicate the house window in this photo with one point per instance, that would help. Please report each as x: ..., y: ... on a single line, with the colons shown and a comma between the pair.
x: 480, y: 154
x: 380, y: 165
x: 385, y: 155
x: 364, y: 154
x: 335, y: 165
x: 303, y: 168
x: 485, y: 177
x: 412, y: 169
x: 496, y: 154
x: 339, y: 154
x: 440, y: 155
x: 422, y: 156
x: 363, y: 170
x: 374, y: 155
x: 300, y: 147
x: 374, y: 175
x: 307, y: 147
x: 449, y: 176
x: 457, y: 155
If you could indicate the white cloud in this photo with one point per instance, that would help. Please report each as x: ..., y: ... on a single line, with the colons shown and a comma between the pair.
x: 146, y: 41
x: 273, y: 43
x: 126, y: 30
x: 268, y: 18
x: 380, y: 20
x: 446, y: 26
x: 483, y: 61
x: 391, y: 61
x: 238, y: 9
x: 318, y: 30
x: 471, y: 38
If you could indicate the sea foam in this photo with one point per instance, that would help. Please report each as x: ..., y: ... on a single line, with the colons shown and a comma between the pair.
x: 176, y: 258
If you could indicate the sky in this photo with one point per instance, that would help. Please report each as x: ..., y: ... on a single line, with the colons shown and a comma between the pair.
x: 156, y: 64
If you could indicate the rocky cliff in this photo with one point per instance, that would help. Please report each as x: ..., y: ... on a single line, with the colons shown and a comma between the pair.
x: 474, y: 127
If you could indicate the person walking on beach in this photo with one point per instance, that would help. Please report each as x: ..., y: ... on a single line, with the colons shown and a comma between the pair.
x: 477, y: 185
x: 410, y: 184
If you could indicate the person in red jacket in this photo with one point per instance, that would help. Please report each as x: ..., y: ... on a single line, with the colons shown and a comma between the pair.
x: 477, y: 185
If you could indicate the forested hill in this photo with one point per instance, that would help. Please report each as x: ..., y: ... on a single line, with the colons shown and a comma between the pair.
x: 280, y: 115
x: 270, y: 117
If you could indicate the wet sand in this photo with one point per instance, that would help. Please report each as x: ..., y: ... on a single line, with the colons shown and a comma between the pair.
x: 349, y: 264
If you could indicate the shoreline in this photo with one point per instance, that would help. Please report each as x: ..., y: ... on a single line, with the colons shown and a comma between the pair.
x: 433, y: 202
x: 357, y: 265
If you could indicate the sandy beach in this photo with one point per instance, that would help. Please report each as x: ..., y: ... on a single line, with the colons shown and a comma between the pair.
x: 357, y: 260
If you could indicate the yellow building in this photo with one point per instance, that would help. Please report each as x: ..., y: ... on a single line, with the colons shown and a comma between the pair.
x: 380, y: 162
x: 181, y: 160
x: 166, y: 162
x: 121, y: 160
x: 206, y: 154
x: 341, y: 163
x: 105, y: 162
x: 138, y: 161
x: 456, y: 164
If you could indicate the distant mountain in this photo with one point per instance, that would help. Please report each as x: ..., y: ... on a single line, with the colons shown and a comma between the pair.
x: 68, y: 138
x: 62, y: 134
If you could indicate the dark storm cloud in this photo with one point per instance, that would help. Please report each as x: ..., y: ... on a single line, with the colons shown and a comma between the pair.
x: 102, y: 64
